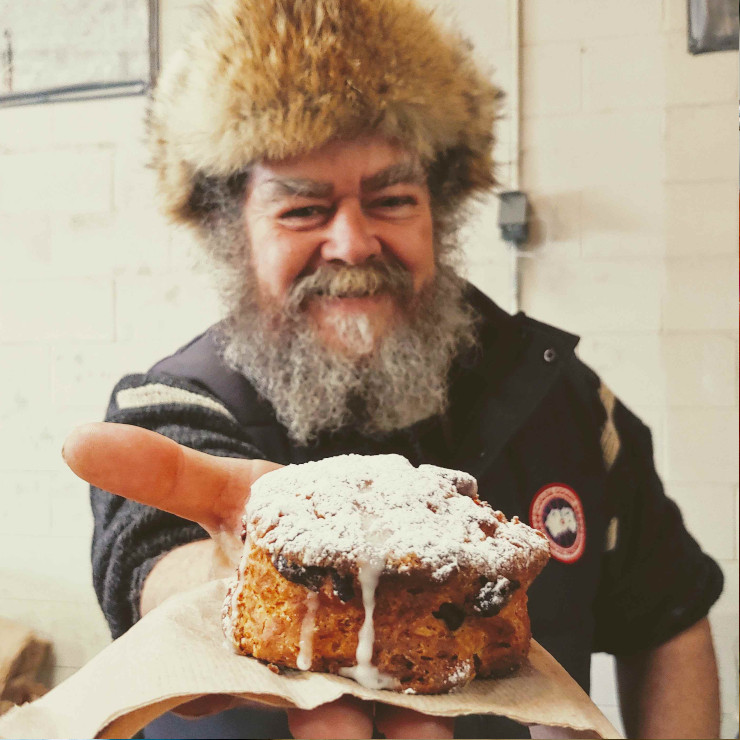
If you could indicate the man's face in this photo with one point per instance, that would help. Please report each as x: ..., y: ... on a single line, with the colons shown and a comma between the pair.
x: 348, y: 205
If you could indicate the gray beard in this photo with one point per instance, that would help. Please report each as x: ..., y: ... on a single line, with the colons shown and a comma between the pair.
x: 315, y: 389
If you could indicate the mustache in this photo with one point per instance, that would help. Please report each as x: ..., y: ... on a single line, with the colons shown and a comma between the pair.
x: 352, y: 281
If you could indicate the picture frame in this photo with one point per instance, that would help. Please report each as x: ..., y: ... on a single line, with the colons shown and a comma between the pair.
x: 77, y: 50
x: 712, y: 25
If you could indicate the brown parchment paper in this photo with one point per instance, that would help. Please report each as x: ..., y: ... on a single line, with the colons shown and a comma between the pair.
x: 177, y: 652
x: 22, y: 654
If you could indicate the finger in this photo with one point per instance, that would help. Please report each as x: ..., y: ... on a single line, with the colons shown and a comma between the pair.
x: 147, y: 467
x: 395, y: 722
x: 345, y: 718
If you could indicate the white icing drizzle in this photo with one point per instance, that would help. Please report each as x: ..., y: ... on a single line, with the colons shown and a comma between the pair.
x: 305, y: 653
x: 365, y: 673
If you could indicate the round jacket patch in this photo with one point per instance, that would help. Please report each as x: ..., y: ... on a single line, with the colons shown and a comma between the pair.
x: 557, y: 511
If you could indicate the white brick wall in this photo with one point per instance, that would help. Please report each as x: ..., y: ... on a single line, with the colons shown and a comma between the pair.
x: 621, y: 73
x: 632, y: 163
x: 629, y: 155
x: 91, y: 288
x: 711, y: 234
x: 569, y: 20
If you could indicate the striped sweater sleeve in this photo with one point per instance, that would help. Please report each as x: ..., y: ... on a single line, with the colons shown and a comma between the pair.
x: 128, y: 537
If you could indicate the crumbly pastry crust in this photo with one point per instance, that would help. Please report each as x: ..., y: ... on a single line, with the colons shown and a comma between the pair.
x: 449, y: 595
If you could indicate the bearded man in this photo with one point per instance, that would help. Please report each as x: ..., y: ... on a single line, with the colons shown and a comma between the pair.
x: 325, y: 151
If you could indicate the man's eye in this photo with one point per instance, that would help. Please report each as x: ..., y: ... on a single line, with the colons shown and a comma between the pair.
x: 394, y: 201
x: 305, y: 212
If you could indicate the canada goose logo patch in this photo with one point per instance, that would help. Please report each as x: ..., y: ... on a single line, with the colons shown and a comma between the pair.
x: 557, y: 511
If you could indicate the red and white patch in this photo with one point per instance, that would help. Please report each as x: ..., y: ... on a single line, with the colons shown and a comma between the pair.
x: 557, y: 511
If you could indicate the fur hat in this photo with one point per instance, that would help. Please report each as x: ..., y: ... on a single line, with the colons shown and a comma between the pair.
x: 269, y: 79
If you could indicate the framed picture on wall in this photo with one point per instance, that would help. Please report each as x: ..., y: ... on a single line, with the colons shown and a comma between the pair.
x: 77, y: 49
x: 713, y: 25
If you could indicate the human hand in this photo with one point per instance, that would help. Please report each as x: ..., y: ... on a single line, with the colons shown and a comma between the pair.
x: 152, y: 469
x: 345, y: 718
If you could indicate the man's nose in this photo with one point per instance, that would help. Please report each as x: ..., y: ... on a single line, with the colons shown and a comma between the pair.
x: 350, y: 237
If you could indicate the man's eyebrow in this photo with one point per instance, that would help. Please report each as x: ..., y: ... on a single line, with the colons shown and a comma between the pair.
x: 406, y: 173
x: 281, y: 187
x: 400, y: 173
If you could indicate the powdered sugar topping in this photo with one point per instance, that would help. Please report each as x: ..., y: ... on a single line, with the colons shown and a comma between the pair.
x: 349, y: 509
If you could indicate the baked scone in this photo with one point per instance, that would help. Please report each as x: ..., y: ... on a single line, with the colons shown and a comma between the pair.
x: 397, y: 576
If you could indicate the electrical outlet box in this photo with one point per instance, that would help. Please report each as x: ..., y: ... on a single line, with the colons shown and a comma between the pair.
x: 513, y: 216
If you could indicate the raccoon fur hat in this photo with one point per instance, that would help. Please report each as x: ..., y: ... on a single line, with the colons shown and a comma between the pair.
x: 270, y: 79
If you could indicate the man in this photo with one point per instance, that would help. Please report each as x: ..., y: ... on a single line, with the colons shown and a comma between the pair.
x: 325, y: 151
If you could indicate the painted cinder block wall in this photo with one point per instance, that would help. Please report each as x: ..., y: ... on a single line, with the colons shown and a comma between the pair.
x: 629, y: 155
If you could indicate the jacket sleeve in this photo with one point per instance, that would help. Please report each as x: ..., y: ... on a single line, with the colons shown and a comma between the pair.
x: 128, y: 537
x: 655, y: 579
